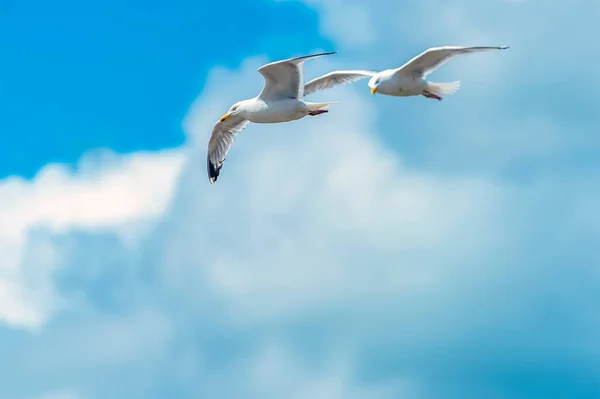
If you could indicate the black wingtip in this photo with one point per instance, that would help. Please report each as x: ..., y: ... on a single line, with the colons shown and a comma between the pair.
x: 213, y: 171
x: 326, y: 53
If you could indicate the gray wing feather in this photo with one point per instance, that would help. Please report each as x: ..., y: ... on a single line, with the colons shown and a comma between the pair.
x: 220, y: 142
x: 285, y: 79
x: 433, y: 58
x: 335, y: 78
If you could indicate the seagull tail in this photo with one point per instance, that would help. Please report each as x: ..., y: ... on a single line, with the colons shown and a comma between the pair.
x: 443, y: 89
x: 319, y: 106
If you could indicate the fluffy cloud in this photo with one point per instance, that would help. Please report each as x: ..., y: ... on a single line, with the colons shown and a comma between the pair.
x: 105, y: 192
x: 514, y: 109
x: 334, y: 254
x: 327, y: 262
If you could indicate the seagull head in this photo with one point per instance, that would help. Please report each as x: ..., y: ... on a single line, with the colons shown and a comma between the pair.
x: 374, y: 83
x: 235, y: 109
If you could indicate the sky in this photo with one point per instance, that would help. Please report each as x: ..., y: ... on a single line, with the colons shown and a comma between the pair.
x: 392, y: 248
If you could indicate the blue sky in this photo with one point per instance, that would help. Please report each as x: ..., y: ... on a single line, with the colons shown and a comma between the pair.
x: 393, y: 248
x: 121, y: 75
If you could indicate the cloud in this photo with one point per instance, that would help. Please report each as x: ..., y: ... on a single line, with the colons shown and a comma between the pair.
x: 326, y: 262
x: 514, y: 109
x: 105, y: 192
x: 397, y: 281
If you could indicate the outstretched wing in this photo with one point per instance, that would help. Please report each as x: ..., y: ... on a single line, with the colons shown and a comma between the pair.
x: 284, y: 79
x: 335, y: 78
x: 433, y: 58
x: 220, y: 142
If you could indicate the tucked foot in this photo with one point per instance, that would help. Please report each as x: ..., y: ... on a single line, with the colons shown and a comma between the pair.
x: 431, y: 95
x: 317, y: 112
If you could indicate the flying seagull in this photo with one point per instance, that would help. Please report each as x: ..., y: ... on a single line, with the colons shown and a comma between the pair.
x: 281, y: 100
x: 408, y: 80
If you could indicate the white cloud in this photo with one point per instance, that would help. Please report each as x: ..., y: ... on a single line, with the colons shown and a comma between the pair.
x: 297, y: 213
x: 512, y: 110
x: 102, y: 192
x: 322, y: 263
x: 319, y: 218
x: 105, y: 192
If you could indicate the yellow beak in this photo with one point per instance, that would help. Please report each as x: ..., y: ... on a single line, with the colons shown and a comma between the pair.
x: 224, y: 117
x: 373, y: 90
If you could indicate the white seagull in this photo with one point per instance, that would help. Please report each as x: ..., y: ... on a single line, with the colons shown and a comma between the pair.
x: 408, y: 80
x: 279, y: 101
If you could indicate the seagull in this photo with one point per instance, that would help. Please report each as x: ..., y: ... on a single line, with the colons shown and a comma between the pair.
x: 408, y: 80
x: 281, y: 100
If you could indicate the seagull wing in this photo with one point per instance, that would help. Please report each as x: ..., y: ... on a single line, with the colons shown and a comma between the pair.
x: 433, y: 58
x: 284, y: 79
x: 335, y: 78
x: 220, y: 142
